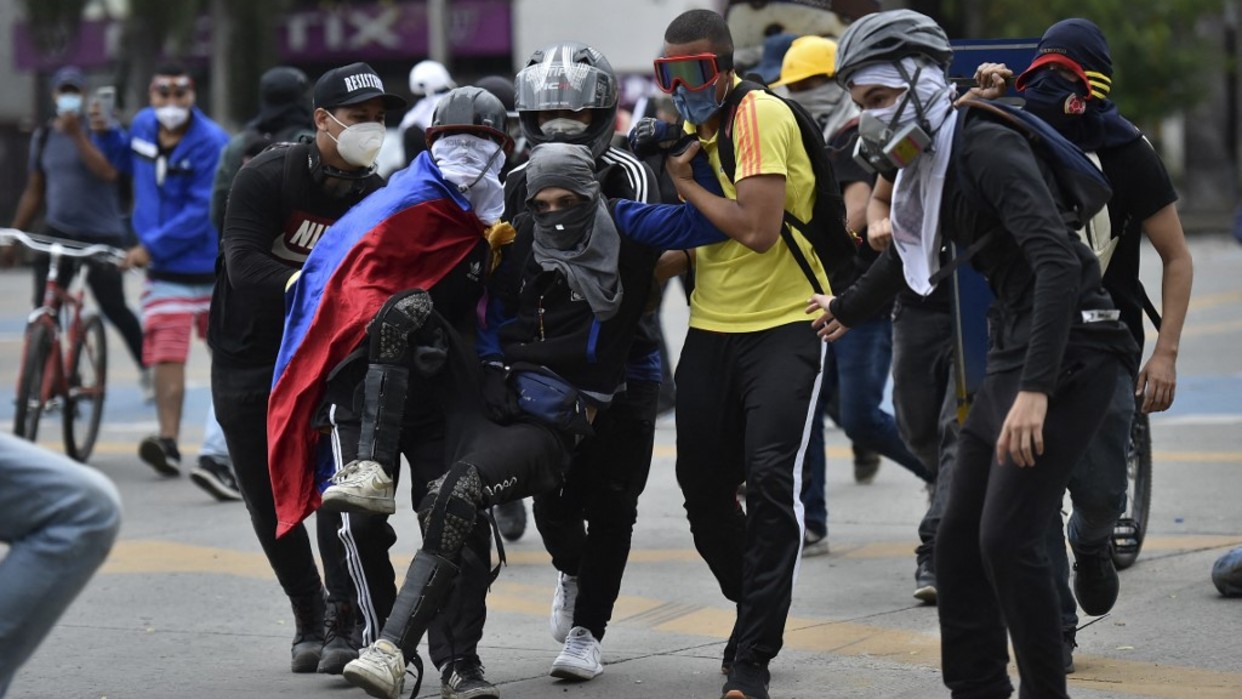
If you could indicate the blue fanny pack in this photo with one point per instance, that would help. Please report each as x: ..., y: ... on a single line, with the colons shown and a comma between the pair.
x: 547, y: 397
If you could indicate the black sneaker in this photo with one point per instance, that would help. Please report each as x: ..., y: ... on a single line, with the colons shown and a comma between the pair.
x: 1068, y: 644
x: 511, y: 519
x: 216, y: 477
x: 463, y: 679
x: 925, y: 583
x: 866, y: 465
x: 746, y: 681
x: 161, y: 454
x: 1095, y: 583
x: 341, y: 637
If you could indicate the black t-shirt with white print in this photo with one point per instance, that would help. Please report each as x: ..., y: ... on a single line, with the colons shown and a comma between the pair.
x: 276, y: 214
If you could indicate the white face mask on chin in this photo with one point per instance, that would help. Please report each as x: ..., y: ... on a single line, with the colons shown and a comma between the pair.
x: 171, y: 116
x: 359, y: 144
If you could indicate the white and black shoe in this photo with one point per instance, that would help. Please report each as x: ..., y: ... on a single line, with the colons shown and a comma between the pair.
x: 215, y: 476
x: 580, y: 659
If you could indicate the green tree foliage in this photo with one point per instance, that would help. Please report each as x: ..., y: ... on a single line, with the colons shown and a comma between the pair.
x: 1160, y: 65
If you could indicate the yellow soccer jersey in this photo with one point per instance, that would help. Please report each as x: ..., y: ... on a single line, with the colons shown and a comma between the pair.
x: 736, y: 289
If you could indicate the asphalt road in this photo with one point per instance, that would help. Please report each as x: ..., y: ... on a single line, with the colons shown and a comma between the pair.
x: 186, y: 605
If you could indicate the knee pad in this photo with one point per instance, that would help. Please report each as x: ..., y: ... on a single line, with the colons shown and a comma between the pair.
x: 450, y: 509
x: 391, y: 328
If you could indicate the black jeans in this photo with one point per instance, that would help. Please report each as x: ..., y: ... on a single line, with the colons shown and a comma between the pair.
x: 993, y: 572
x: 925, y: 403
x: 108, y: 288
x: 588, y: 522
x: 240, y: 396
x: 744, y: 404
x: 1098, y: 488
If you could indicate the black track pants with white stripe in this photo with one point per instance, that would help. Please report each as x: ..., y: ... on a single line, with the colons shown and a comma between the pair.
x: 367, y: 539
x: 744, y: 406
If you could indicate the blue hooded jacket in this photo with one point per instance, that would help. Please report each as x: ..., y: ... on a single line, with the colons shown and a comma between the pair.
x: 172, y: 217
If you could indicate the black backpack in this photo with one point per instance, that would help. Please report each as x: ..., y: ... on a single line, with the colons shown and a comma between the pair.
x: 1082, y: 185
x: 834, y: 244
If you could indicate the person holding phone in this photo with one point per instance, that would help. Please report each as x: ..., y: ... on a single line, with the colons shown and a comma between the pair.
x: 75, y: 185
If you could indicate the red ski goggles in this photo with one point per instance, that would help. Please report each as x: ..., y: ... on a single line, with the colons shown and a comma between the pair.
x: 697, y: 72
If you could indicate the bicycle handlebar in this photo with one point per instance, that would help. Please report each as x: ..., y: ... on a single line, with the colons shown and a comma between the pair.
x: 59, y: 246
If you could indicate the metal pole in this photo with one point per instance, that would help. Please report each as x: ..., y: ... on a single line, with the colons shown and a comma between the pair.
x: 437, y: 31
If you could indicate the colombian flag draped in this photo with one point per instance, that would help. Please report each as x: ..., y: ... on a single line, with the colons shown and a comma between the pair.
x: 407, y: 235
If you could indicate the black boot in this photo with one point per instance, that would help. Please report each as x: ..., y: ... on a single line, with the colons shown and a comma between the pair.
x: 308, y: 613
x: 428, y: 583
x: 342, y: 638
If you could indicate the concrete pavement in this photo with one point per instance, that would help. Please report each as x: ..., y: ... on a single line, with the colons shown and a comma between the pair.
x: 186, y: 606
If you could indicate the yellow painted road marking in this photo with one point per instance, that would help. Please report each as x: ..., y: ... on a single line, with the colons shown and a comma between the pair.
x: 1221, y: 328
x: 136, y: 556
x: 1220, y: 298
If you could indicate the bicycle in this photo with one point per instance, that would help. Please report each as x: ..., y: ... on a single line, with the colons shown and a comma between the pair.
x: 72, y: 379
x: 1131, y: 528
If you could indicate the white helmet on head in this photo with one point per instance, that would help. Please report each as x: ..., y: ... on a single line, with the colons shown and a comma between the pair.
x: 429, y: 78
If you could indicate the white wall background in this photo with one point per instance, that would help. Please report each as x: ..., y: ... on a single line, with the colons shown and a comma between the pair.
x: 629, y: 32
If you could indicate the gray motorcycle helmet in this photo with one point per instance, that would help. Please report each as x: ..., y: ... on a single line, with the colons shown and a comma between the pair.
x: 470, y: 110
x: 887, y: 37
x: 571, y: 76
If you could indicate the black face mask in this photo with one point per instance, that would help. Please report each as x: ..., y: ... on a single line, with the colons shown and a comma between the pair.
x: 565, y: 228
x: 1057, y: 100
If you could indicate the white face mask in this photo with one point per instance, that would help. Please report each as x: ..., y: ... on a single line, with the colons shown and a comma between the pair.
x: 68, y: 102
x: 473, y: 164
x: 171, y: 116
x: 563, y: 127
x: 359, y: 144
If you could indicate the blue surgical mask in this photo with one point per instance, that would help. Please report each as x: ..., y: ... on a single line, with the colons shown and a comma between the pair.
x: 68, y: 102
x: 696, y: 107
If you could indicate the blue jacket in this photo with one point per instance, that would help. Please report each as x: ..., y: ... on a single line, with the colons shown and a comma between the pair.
x: 172, y: 218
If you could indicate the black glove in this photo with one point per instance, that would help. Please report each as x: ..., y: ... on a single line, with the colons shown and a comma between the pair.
x: 651, y: 136
x: 499, y: 400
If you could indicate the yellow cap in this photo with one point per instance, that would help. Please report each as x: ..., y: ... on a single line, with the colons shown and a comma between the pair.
x: 808, y: 56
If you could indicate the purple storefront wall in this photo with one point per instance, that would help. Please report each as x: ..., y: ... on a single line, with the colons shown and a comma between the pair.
x: 477, y: 28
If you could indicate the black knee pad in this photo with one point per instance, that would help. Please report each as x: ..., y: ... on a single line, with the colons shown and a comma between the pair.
x: 449, y: 511
x: 400, y: 317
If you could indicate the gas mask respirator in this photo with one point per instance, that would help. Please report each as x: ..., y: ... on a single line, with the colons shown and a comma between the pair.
x: 884, y: 145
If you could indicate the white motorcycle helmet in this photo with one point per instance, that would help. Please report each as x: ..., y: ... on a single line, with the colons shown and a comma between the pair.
x: 430, y: 78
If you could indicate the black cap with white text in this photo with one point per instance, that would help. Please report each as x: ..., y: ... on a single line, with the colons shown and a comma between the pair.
x: 352, y: 84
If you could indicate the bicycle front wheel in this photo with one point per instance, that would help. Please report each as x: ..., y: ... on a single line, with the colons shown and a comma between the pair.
x: 88, y: 371
x: 30, y: 395
x: 1131, y: 528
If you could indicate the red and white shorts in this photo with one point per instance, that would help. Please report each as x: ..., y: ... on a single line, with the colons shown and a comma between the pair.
x: 171, y: 312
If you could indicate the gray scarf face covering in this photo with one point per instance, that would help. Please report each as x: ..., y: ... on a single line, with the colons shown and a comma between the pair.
x: 580, y: 242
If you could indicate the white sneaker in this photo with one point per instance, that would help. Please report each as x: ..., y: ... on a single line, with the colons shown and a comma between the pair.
x: 563, y: 601
x: 379, y: 670
x: 361, y: 486
x: 580, y: 659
